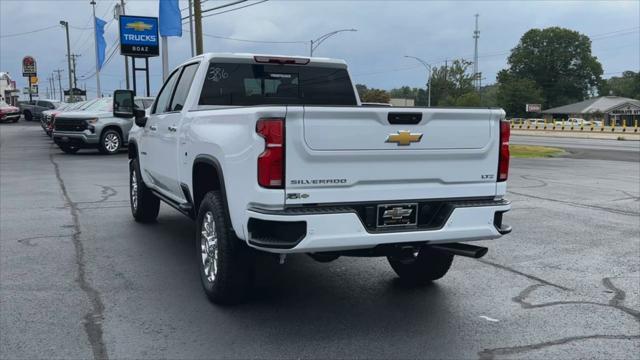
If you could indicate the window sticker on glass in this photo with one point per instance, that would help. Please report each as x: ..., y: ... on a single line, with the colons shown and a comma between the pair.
x: 216, y: 74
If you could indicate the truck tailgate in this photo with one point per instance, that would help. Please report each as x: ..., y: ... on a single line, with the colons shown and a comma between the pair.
x: 357, y: 154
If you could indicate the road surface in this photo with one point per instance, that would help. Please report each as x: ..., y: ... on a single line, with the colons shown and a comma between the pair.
x: 578, y: 148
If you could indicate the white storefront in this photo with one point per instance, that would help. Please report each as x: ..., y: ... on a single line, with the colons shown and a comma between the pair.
x: 8, y: 91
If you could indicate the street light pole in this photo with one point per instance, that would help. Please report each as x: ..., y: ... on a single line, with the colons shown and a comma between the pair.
x: 426, y: 65
x: 66, y: 28
x: 315, y: 43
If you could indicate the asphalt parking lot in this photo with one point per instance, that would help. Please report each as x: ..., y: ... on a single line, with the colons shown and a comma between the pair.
x: 80, y: 279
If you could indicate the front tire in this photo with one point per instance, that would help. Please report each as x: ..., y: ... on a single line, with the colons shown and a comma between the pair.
x: 144, y: 204
x: 423, y: 267
x: 69, y: 149
x: 110, y: 142
x: 28, y: 116
x: 226, y: 262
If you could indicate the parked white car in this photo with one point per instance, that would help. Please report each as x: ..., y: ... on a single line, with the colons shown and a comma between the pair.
x: 575, y: 122
x: 276, y: 154
x: 534, y: 122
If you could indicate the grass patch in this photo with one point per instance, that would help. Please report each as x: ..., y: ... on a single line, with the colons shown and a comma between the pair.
x: 532, y: 151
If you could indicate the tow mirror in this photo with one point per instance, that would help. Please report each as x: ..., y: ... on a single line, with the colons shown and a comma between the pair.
x: 123, y: 105
x: 141, y: 117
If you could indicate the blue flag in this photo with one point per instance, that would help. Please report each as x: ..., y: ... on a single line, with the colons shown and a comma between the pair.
x: 100, y: 43
x: 170, y: 18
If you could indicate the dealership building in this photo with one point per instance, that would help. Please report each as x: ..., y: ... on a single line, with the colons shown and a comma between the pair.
x: 608, y: 108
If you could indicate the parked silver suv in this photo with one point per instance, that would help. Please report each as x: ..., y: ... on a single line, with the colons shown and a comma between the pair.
x: 94, y: 127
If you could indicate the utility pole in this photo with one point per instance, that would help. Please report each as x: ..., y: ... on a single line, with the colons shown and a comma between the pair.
x: 66, y: 27
x: 58, y: 71
x: 95, y: 41
x: 75, y: 78
x: 197, y: 18
x: 191, y: 27
x: 52, y: 94
x: 476, y: 36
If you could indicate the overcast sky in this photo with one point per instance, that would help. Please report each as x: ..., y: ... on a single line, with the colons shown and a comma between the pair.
x: 387, y: 30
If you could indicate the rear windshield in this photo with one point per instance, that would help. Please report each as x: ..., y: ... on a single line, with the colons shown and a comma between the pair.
x: 249, y: 84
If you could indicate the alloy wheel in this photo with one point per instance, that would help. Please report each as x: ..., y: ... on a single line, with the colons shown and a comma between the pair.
x: 209, y: 247
x: 134, y: 190
x: 111, y: 142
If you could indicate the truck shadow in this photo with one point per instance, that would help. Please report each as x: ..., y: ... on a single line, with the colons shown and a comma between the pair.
x: 349, y: 299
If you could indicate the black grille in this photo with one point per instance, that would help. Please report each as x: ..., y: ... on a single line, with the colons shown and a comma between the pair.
x: 65, y: 124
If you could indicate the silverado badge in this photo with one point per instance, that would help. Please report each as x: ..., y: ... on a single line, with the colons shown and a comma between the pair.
x: 404, y: 137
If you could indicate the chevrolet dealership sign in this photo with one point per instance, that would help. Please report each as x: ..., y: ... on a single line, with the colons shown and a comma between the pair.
x: 139, y: 36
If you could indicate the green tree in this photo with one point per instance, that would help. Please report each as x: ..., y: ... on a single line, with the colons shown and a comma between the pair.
x: 362, y: 89
x: 489, y: 95
x: 627, y: 85
x: 405, y: 92
x: 559, y: 61
x: 514, y: 93
x: 448, y: 83
x: 372, y: 95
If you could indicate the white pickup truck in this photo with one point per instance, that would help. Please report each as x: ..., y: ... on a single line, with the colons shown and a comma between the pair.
x: 276, y: 154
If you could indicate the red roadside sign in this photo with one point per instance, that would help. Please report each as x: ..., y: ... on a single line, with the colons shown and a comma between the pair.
x: 29, y: 67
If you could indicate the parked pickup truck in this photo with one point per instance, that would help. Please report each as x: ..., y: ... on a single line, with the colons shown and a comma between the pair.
x: 94, y: 126
x: 275, y: 154
x: 32, y: 110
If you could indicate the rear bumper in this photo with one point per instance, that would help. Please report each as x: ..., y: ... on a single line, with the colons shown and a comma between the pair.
x: 346, y: 231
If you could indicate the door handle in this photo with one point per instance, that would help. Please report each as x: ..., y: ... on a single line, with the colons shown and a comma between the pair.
x: 153, y: 128
x: 172, y: 128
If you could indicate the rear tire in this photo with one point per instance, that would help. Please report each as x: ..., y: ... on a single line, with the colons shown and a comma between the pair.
x: 425, y: 266
x: 28, y: 116
x: 69, y: 149
x: 144, y: 204
x: 226, y: 262
x: 110, y: 142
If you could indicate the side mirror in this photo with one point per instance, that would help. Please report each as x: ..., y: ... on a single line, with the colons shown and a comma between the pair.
x: 141, y: 117
x: 123, y: 104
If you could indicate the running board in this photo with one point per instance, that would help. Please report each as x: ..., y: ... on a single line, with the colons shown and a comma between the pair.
x: 185, y: 208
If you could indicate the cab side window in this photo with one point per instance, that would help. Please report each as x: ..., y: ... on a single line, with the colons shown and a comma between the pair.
x: 164, y: 97
x: 182, y: 89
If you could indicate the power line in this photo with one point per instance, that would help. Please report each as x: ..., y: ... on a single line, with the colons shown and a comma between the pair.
x: 223, y: 6
x: 251, y: 41
x: 111, y: 52
x: 29, y: 32
x: 234, y: 9
x: 80, y: 28
x: 214, y: 8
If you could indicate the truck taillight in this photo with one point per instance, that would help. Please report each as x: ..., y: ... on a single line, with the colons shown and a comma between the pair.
x: 503, y: 160
x: 271, y: 161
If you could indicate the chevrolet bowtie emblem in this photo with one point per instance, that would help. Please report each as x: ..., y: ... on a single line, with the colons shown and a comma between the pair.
x: 139, y: 26
x: 397, y: 213
x: 404, y: 137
